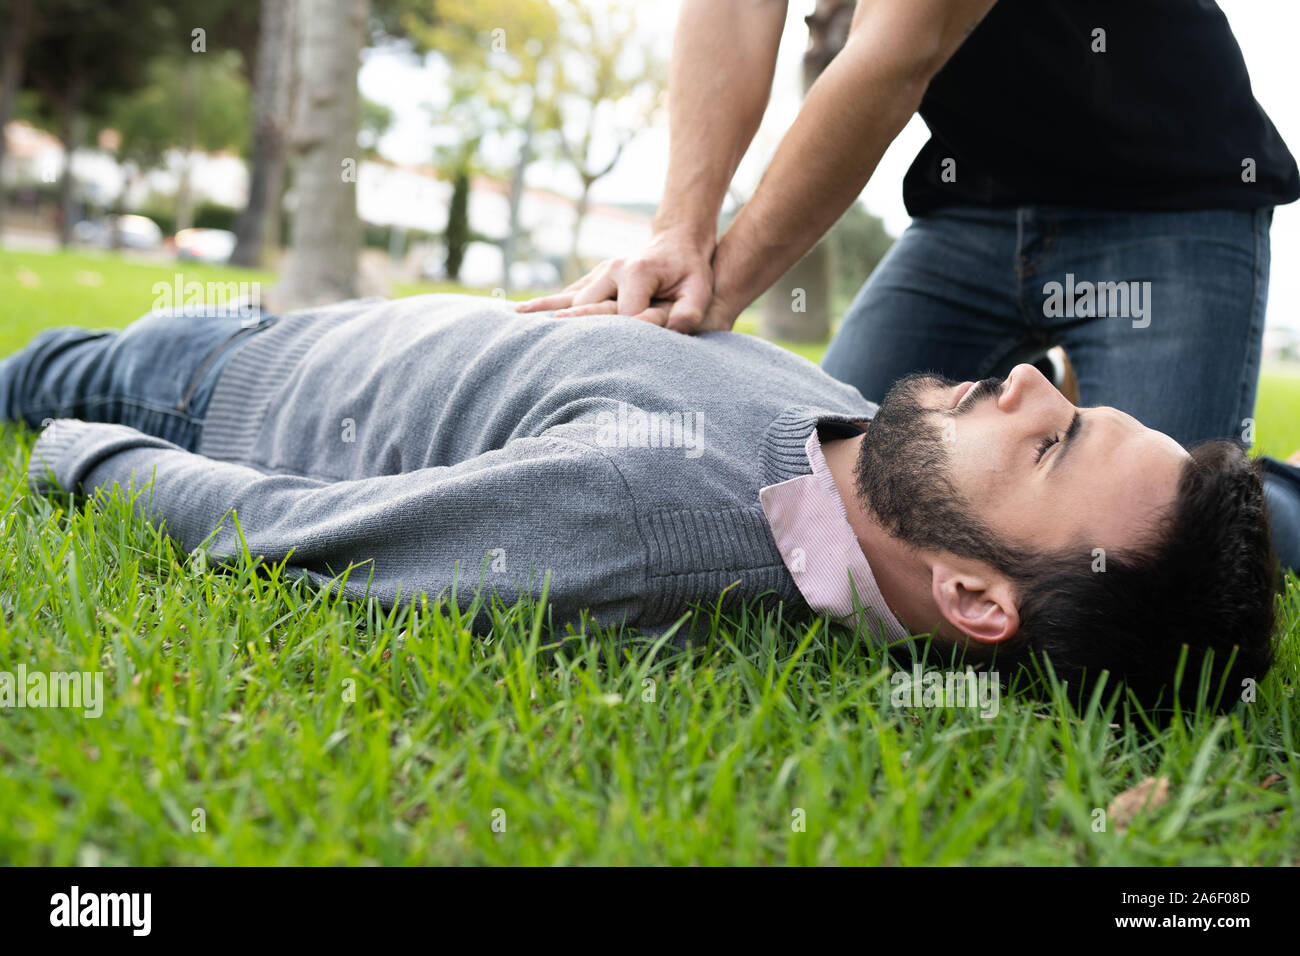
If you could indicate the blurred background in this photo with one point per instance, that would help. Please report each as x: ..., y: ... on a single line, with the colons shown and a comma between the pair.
x: 333, y: 148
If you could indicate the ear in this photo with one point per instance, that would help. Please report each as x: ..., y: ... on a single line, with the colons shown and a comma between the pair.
x: 975, y: 600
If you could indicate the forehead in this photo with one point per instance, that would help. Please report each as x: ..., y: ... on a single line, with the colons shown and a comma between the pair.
x: 1119, y: 478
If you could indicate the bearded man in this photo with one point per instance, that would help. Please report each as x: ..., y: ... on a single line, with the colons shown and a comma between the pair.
x: 632, y: 472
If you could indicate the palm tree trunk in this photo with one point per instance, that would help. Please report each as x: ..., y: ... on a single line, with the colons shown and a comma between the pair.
x: 258, y: 225
x: 326, y: 230
x: 579, y: 216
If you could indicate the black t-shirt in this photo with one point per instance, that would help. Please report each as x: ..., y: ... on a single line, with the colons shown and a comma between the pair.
x: 1030, y: 111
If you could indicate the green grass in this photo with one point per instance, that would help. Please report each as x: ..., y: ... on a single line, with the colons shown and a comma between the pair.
x: 304, y: 729
x: 1277, y: 413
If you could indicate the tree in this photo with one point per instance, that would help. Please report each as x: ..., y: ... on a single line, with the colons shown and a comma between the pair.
x: 608, y: 80
x: 457, y: 235
x: 798, y: 305
x: 856, y: 244
x: 326, y: 120
x: 17, y: 16
x: 328, y: 36
x: 168, y: 113
x: 258, y: 225
x: 471, y: 114
x: 85, y: 53
x: 530, y: 65
x: 500, y: 54
x: 376, y: 120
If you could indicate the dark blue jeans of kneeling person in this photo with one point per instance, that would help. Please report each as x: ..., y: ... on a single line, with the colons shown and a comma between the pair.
x: 158, y: 375
x: 970, y: 292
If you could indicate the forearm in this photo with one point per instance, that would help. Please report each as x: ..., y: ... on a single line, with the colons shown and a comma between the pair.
x: 724, y: 55
x: 822, y: 165
x: 849, y: 117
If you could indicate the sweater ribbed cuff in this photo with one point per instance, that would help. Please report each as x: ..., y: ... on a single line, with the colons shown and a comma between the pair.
x: 47, y: 469
x: 69, y: 450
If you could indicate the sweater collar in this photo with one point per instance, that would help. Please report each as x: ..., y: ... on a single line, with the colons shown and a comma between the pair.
x: 810, y: 525
x: 783, y: 452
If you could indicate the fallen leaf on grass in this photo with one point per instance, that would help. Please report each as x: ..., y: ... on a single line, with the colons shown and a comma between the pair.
x: 1151, y: 792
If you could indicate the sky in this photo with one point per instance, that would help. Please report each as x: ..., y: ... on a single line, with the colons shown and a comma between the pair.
x: 1265, y: 29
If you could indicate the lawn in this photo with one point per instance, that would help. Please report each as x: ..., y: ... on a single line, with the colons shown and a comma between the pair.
x: 247, y: 719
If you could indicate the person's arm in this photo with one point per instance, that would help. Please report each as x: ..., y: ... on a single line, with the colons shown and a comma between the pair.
x: 851, y: 114
x: 724, y: 56
x: 539, y: 504
x: 849, y: 117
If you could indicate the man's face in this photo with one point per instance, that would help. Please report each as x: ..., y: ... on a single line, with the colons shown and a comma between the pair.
x: 1017, y: 458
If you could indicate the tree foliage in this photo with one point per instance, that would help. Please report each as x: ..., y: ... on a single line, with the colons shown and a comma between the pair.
x: 155, y: 118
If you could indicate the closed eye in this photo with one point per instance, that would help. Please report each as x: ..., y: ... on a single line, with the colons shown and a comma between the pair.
x: 1044, y: 445
x: 1066, y: 441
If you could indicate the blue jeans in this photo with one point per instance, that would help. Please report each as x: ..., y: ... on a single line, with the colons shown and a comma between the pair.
x: 965, y: 292
x: 157, y: 375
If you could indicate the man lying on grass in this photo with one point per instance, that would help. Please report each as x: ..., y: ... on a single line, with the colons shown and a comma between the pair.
x: 644, y: 471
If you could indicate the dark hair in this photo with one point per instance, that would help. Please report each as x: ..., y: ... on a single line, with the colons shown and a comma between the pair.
x: 1207, y: 581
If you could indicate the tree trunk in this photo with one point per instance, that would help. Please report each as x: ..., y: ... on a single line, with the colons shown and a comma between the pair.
x: 807, y: 285
x: 10, y: 75
x: 277, y: 225
x: 326, y: 230
x: 70, y: 137
x: 184, y: 217
x: 797, y: 307
x: 189, y: 80
x: 258, y: 224
x: 511, y: 245
x: 580, y: 214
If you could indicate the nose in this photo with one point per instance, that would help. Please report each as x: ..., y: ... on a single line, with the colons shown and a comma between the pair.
x: 1023, y: 381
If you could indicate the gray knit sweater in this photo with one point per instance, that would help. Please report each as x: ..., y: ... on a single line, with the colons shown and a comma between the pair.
x: 447, y: 439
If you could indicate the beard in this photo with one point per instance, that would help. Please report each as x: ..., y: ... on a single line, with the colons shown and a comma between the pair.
x: 905, y: 470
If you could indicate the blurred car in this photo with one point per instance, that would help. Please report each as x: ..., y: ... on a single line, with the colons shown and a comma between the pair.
x: 132, y: 232
x: 205, y: 245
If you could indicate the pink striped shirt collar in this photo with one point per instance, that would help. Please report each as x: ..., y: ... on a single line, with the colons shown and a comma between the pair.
x: 817, y: 543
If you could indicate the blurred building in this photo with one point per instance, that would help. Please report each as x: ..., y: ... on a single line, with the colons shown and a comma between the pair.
x: 412, y: 198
